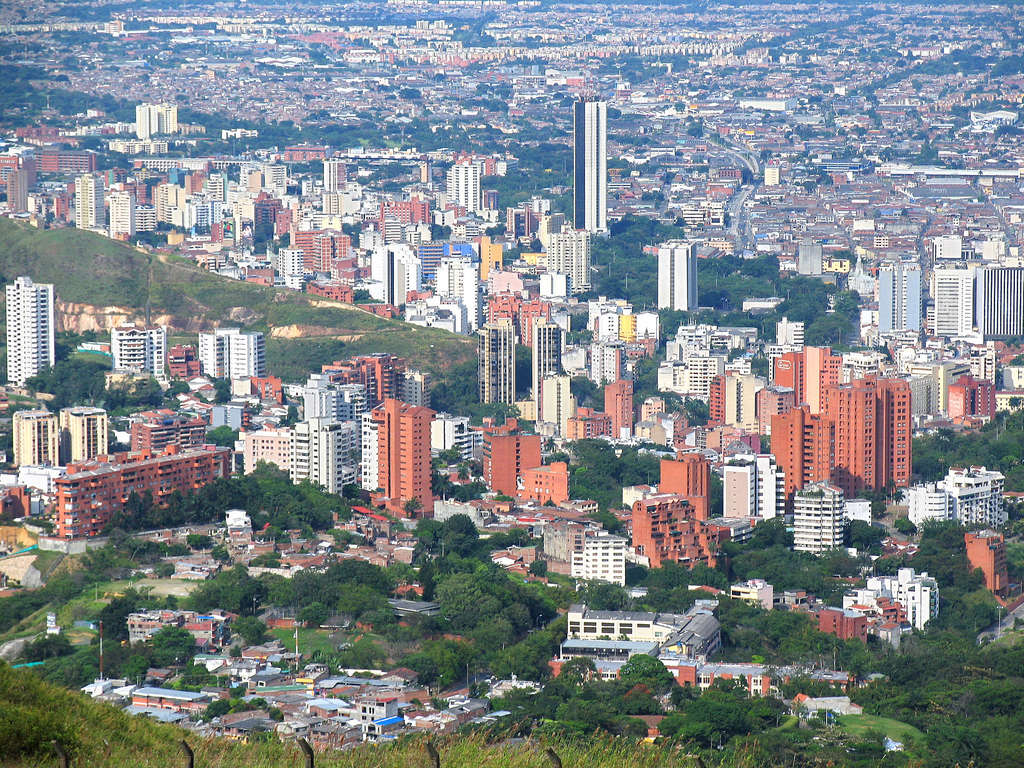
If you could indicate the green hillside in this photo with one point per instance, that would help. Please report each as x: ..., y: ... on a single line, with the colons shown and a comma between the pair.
x: 105, y: 280
x: 33, y: 713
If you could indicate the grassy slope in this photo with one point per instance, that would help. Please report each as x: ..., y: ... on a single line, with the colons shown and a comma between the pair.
x: 90, y: 269
x: 860, y: 725
x: 32, y: 713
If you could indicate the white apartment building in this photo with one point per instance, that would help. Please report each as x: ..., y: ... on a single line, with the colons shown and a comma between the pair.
x: 590, y: 165
x: 976, y: 496
x: 603, y: 559
x: 335, y: 175
x: 395, y: 270
x: 459, y: 278
x: 230, y: 353
x: 819, y: 518
x: 790, y: 333
x: 918, y: 593
x: 30, y: 329
x: 139, y: 349
x: 448, y: 432
x: 369, y: 464
x: 953, y: 294
x: 691, y: 378
x: 89, y: 213
x: 122, y: 215
x: 464, y: 185
x: 569, y: 254
x: 155, y: 119
x: 677, y: 275
x: 928, y: 502
x: 324, y: 399
x: 753, y: 486
x: 324, y: 452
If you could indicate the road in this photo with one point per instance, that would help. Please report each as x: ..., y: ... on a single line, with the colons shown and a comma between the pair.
x: 1006, y: 623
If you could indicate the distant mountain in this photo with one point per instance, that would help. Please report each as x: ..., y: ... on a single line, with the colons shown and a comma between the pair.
x: 101, y: 283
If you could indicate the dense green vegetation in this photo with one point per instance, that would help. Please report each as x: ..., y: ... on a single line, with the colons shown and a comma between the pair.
x: 997, y: 445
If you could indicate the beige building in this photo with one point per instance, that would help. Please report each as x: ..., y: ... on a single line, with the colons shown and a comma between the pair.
x: 741, y: 401
x: 83, y: 434
x: 558, y: 403
x: 496, y: 371
x: 270, y: 445
x: 36, y: 439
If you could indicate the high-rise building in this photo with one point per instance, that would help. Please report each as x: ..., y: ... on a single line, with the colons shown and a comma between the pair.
x: 733, y: 400
x: 618, y: 404
x: 899, y: 297
x: 122, y: 215
x: 83, y: 434
x: 464, y: 185
x: 590, y: 165
x: 17, y: 190
x: 948, y: 248
x: 335, y: 175
x: 677, y: 276
x: 30, y: 329
x: 802, y: 443
x: 819, y: 518
x: 507, y: 452
x: 403, y: 456
x: 153, y: 431
x: 36, y: 439
x: 999, y: 297
x: 753, y: 486
x: 559, y: 405
x: 89, y: 213
x: 602, y: 558
x: 548, y: 341
x: 789, y: 333
x: 324, y: 399
x: 689, y: 476
x: 976, y: 496
x: 155, y: 119
x: 987, y: 550
x: 969, y: 396
x: 773, y: 401
x: 871, y: 419
x: 808, y: 373
x: 396, y: 270
x: 324, y: 451
x: 953, y: 294
x: 496, y: 366
x: 139, y: 349
x: 458, y: 278
x: 809, y: 258
x: 228, y: 353
x: 569, y: 254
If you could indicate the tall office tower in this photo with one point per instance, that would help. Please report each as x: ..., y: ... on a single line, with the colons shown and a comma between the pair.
x: 140, y: 349
x: 403, y: 455
x: 953, y: 294
x: 807, y: 373
x: 396, y: 270
x: 999, y: 301
x: 122, y: 215
x: 618, y: 404
x: 677, y: 276
x: 558, y: 402
x: 89, y: 202
x: 464, y: 185
x: 324, y: 452
x: 688, y: 475
x: 899, y: 297
x: 335, y: 176
x: 36, y: 439
x: 871, y: 419
x: 569, y: 254
x: 155, y: 119
x: 30, y: 329
x: 548, y: 342
x: 83, y: 434
x: 459, y: 278
x: 802, y: 443
x: 496, y: 364
x: 819, y: 518
x: 17, y: 190
x: 590, y: 165
x: 789, y: 332
x: 227, y: 353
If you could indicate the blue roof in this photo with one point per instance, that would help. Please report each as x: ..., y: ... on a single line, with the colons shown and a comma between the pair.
x: 389, y: 721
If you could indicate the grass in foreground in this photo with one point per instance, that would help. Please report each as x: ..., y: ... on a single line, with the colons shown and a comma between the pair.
x: 860, y: 725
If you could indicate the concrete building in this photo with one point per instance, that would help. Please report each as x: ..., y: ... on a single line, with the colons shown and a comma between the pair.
x: 36, y: 439
x: 753, y: 486
x: 976, y: 496
x: 89, y: 213
x: 732, y: 400
x: 83, y: 434
x: 273, y: 446
x: 590, y: 165
x: 155, y: 120
x: 139, y: 349
x: 496, y: 367
x: 464, y: 185
x: 559, y: 405
x: 999, y: 296
x: 677, y: 275
x: 335, y: 175
x: 507, y: 453
x: 987, y: 550
x: 325, y: 452
x: 569, y: 254
x: 928, y: 502
x: 603, y: 558
x: 122, y: 215
x: 448, y: 432
x: 917, y: 594
x: 395, y: 270
x: 459, y: 278
x: 322, y: 398
x: 899, y: 297
x: 953, y: 294
x: 30, y: 329
x: 819, y: 520
x: 755, y: 591
x: 548, y: 343
x: 229, y: 353
x: 403, y: 456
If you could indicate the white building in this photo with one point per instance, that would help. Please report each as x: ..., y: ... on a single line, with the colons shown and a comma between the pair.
x: 140, y: 349
x: 122, y: 215
x: 569, y: 254
x: 558, y: 403
x: 369, y: 465
x: 324, y: 399
x: 603, y: 558
x: 30, y: 329
x: 464, y: 185
x: 918, y: 593
x: 928, y: 502
x: 953, y: 294
x: 948, y: 247
x: 89, y: 213
x: 449, y: 432
x: 691, y: 378
x: 976, y: 496
x: 155, y: 119
x: 819, y: 519
x: 790, y: 333
x: 459, y: 278
x: 677, y: 275
x: 548, y: 344
x: 230, y: 353
x: 590, y: 165
x: 753, y: 486
x: 899, y: 297
x: 999, y: 297
x: 395, y: 270
x: 334, y: 177
x: 324, y: 452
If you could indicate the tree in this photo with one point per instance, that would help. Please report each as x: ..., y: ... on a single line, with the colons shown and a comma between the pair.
x: 314, y: 614
x: 251, y: 629
x: 646, y: 670
x: 538, y: 568
x: 223, y: 436
x: 172, y: 645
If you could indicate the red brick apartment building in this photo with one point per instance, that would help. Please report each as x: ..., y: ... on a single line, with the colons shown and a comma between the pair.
x: 92, y: 492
